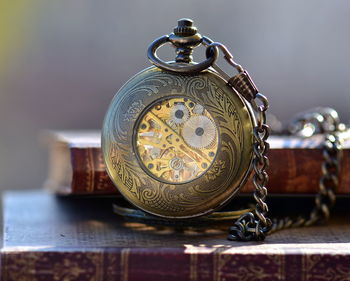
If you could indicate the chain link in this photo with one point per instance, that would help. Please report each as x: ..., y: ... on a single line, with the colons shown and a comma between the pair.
x: 256, y: 225
x: 327, y: 122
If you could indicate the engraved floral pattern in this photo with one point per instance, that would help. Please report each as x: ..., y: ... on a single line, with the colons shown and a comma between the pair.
x: 135, y: 108
x: 216, y: 170
x: 167, y: 197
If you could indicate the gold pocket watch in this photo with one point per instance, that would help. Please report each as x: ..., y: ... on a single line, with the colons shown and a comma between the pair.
x: 178, y: 138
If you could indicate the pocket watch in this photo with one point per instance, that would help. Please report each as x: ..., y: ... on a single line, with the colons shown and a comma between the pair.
x: 178, y: 138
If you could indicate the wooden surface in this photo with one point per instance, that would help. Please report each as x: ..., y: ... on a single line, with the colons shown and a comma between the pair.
x: 45, y: 236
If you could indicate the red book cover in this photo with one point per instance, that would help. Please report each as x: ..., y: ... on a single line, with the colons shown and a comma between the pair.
x: 77, y: 167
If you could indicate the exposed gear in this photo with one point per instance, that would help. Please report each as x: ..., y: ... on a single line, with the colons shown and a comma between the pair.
x: 177, y: 140
x: 176, y: 163
x: 179, y: 114
x: 198, y: 109
x: 199, y: 132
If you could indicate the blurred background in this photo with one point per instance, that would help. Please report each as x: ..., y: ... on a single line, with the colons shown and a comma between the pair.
x: 61, y: 62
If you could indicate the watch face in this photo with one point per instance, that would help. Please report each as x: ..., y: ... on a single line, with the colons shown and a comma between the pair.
x: 176, y: 140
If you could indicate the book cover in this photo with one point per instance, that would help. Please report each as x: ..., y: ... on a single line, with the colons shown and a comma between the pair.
x: 77, y: 167
x: 46, y: 237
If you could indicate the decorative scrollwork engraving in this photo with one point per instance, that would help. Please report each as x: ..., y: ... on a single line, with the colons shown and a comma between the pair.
x: 218, y: 183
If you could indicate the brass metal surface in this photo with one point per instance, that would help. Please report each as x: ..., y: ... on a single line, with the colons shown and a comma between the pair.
x: 127, y: 160
x: 204, y: 221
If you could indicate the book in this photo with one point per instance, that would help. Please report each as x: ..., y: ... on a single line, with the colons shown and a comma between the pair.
x: 76, y: 164
x: 77, y: 168
x: 48, y: 237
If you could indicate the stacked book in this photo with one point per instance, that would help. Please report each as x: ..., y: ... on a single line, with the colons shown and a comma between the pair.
x: 77, y: 168
x: 73, y: 237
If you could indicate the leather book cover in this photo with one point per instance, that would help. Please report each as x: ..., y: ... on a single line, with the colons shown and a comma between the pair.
x: 76, y: 165
x: 47, y: 237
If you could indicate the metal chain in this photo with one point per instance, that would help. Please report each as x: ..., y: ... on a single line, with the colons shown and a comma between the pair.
x: 327, y: 122
x: 256, y: 225
x: 252, y: 225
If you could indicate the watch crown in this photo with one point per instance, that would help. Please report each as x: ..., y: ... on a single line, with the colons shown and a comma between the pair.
x: 185, y: 28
